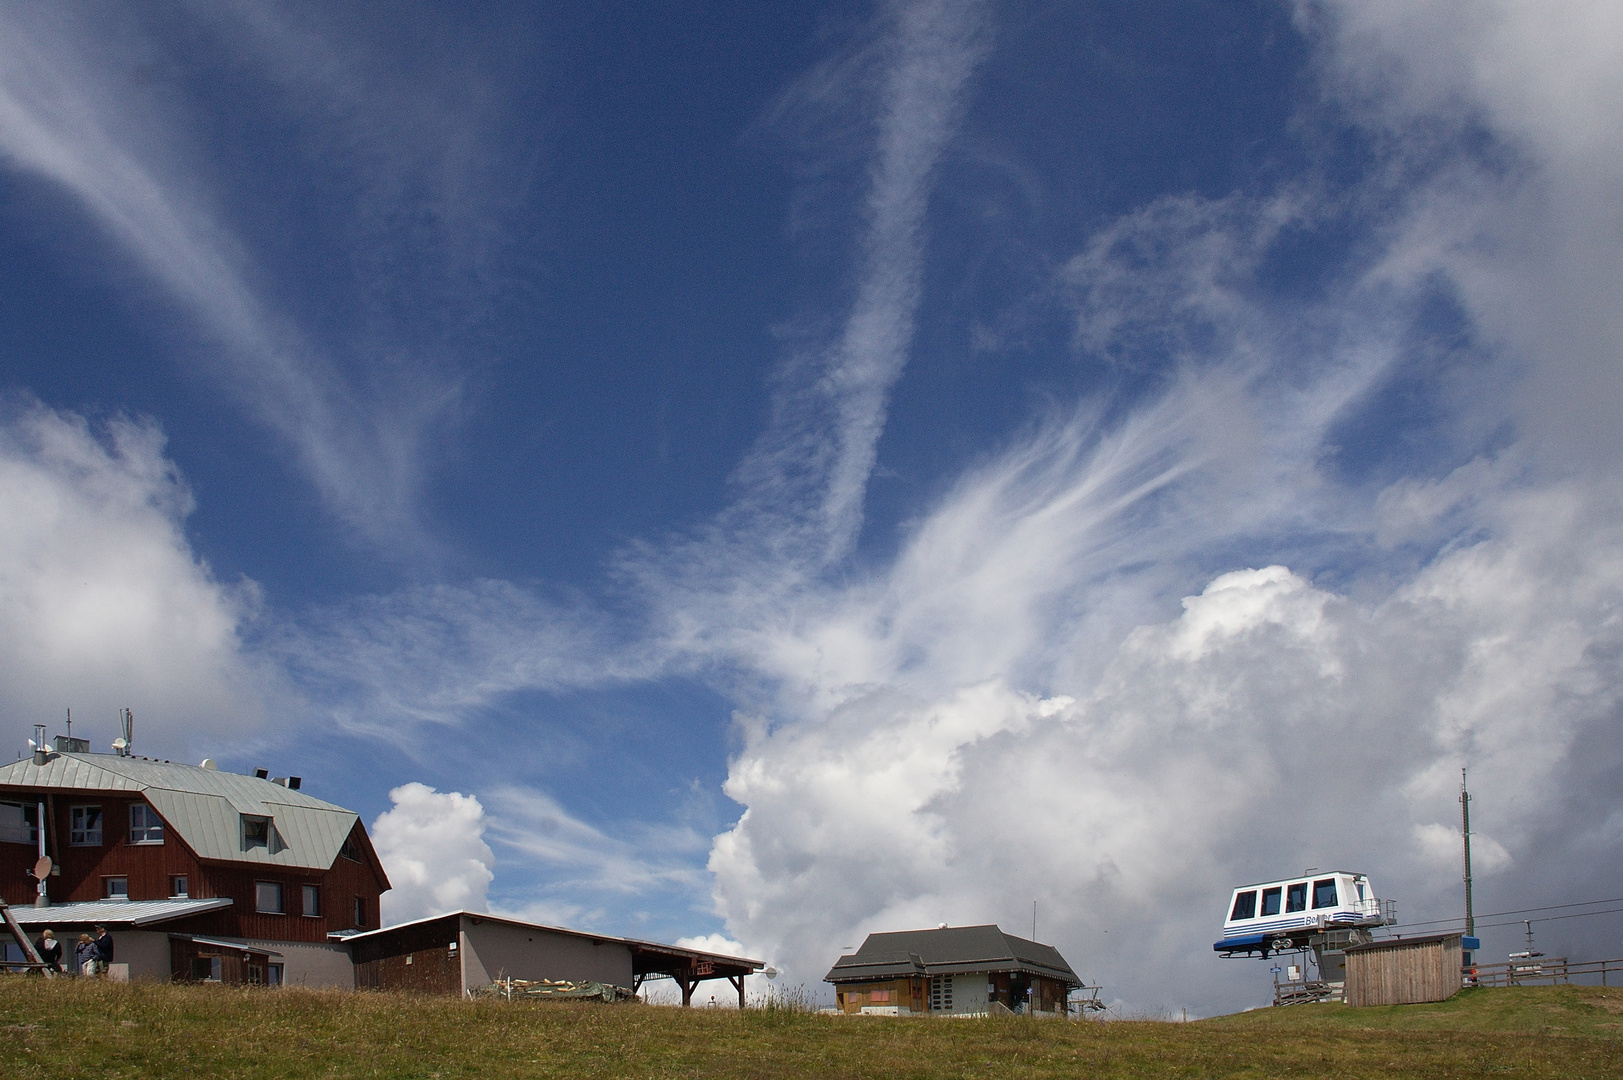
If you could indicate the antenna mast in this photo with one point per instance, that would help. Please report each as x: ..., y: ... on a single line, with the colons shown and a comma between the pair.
x: 1465, y: 832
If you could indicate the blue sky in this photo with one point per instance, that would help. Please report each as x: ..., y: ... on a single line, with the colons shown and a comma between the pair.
x: 784, y: 474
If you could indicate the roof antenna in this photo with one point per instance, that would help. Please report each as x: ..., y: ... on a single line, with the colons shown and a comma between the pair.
x: 70, y: 723
x: 126, y: 722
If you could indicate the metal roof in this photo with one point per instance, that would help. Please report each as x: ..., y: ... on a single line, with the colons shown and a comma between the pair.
x: 204, y: 806
x: 1399, y: 942
x: 224, y: 943
x: 349, y: 937
x: 952, y: 950
x: 117, y: 912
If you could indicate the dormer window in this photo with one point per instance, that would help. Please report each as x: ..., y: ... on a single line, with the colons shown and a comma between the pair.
x: 256, y: 832
x: 350, y: 850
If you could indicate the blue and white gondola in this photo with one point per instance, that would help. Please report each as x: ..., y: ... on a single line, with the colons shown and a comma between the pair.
x: 1273, y: 916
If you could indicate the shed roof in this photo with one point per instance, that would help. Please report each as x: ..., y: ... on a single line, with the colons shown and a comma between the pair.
x: 117, y: 912
x: 951, y: 950
x: 647, y: 956
x: 204, y: 806
x: 1399, y: 942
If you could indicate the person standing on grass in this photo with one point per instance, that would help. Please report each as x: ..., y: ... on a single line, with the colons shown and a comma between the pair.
x: 84, y: 954
x: 104, y: 951
x: 50, y: 950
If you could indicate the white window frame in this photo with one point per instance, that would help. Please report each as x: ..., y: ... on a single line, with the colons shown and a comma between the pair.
x: 259, y: 898
x: 28, y: 833
x: 151, y: 828
x: 107, y: 890
x: 184, y: 892
x: 79, y: 832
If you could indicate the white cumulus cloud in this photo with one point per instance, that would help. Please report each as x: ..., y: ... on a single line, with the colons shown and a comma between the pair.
x: 432, y: 846
x: 103, y: 604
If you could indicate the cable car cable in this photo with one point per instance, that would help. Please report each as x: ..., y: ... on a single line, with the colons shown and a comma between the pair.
x: 1518, y: 911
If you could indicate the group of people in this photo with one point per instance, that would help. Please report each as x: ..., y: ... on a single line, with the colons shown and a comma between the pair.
x: 91, y: 955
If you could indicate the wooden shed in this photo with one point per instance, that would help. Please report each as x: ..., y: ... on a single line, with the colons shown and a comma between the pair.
x: 1404, y: 971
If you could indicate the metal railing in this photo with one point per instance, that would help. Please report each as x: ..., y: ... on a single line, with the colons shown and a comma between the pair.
x: 1542, y: 970
x: 1374, y: 908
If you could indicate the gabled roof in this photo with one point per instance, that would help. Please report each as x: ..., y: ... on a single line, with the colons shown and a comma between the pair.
x: 204, y: 806
x: 952, y: 950
x: 116, y: 912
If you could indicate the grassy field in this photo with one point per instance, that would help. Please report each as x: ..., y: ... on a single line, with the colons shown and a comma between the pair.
x: 67, y: 1028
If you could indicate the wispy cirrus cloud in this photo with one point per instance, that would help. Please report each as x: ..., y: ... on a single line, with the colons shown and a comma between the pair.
x: 1178, y: 634
x: 75, y: 112
x: 1022, y: 716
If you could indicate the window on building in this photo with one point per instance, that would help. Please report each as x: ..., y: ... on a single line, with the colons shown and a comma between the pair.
x: 206, y: 968
x: 268, y: 897
x: 115, y: 888
x: 312, y: 900
x: 1270, y: 900
x: 1296, y: 897
x: 177, y: 886
x: 255, y: 832
x: 1245, y: 906
x: 273, y: 974
x: 1324, y: 893
x: 941, y: 992
x: 146, y: 827
x: 360, y: 911
x: 351, y: 850
x: 84, y: 826
x: 17, y: 823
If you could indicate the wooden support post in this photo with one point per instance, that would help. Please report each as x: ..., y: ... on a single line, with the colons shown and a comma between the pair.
x: 687, y: 989
x: 27, y: 946
x: 738, y: 981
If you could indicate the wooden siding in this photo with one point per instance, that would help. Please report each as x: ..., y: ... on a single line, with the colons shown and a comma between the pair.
x: 147, y: 869
x: 434, y: 970
x: 236, y: 966
x: 907, y: 994
x: 1403, y: 972
x: 912, y: 994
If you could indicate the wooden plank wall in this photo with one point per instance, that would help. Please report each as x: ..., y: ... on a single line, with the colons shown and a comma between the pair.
x: 426, y: 971
x: 1403, y: 973
x: 148, y: 868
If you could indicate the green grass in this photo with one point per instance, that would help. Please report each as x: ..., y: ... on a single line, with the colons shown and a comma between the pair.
x: 63, y: 1028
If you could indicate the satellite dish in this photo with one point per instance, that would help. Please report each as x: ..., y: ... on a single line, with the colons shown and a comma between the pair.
x: 770, y: 973
x: 42, y: 868
x: 119, y: 744
x: 208, y: 763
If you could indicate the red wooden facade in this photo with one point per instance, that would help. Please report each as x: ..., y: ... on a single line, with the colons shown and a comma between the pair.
x: 149, y: 872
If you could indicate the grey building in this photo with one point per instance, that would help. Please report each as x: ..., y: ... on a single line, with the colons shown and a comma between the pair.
x: 463, y: 951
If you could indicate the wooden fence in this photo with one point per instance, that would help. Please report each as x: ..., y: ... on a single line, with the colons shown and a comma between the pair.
x: 1540, y: 970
